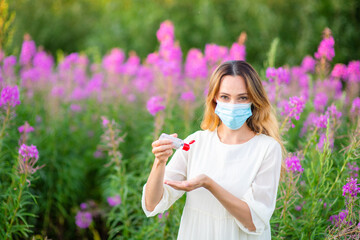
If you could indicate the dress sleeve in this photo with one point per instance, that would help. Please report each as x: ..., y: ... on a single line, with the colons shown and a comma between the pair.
x: 261, y: 196
x: 175, y: 170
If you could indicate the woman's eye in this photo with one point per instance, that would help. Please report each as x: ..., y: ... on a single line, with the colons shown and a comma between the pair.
x: 243, y: 98
x: 224, y: 97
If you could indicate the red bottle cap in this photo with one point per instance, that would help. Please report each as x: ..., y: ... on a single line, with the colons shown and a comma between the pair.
x: 186, y: 146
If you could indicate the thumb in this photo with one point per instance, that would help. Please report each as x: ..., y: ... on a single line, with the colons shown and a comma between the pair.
x: 174, y: 135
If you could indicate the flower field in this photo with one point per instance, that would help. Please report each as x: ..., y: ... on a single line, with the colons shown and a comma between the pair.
x: 76, y: 133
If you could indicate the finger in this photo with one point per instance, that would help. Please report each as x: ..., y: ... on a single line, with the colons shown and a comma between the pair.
x: 158, y: 143
x: 174, y: 135
x: 162, y: 148
x: 165, y: 154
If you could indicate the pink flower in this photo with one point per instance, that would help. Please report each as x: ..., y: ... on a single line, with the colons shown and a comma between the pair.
x: 237, y: 52
x: 215, y: 54
x: 26, y: 128
x: 321, y: 121
x: 83, y: 219
x: 153, y: 58
x: 188, y: 96
x: 326, y: 49
x: 333, y: 112
x: 355, y: 107
x: 112, y: 62
x: 163, y: 215
x: 105, y: 121
x: 308, y: 64
x: 293, y: 164
x: 351, y: 187
x: 195, y: 65
x: 339, y: 71
x: 353, y: 71
x: 75, y: 108
x: 10, y: 96
x: 113, y: 201
x: 154, y: 105
x: 165, y: 33
x: 28, y: 51
x: 144, y: 79
x: 279, y: 75
x: 132, y: 65
x: 320, y: 101
x: 294, y: 108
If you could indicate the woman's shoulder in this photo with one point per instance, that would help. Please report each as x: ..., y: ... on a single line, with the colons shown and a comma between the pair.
x: 199, y: 134
x: 267, y: 140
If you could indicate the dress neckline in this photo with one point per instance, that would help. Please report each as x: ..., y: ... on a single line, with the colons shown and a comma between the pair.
x: 235, y: 145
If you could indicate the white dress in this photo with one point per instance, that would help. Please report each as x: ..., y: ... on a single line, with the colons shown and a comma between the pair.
x: 250, y: 171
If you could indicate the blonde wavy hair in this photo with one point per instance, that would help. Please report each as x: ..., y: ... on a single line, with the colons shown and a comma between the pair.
x: 263, y: 118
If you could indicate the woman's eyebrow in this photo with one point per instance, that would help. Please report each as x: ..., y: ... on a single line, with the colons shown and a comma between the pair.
x: 230, y: 94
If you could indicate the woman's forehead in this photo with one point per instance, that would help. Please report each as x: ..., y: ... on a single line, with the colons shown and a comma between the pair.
x: 233, y: 85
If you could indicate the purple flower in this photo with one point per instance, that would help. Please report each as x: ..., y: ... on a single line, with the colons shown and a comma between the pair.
x: 320, y: 101
x: 155, y: 105
x: 298, y: 208
x: 353, y: 71
x: 83, y: 206
x: 293, y: 164
x: 333, y: 112
x: 26, y: 128
x: 105, y: 121
x: 355, y: 108
x: 308, y: 64
x: 339, y: 71
x: 98, y: 154
x: 294, y: 108
x: 195, y: 65
x: 28, y: 157
x: 83, y: 219
x: 339, y: 219
x: 75, y: 108
x: 163, y: 215
x: 320, y: 145
x: 279, y: 75
x: 113, y: 201
x: 326, y: 49
x: 321, y: 121
x: 188, y: 96
x: 10, y: 96
x: 28, y: 152
x: 351, y: 187
x: 28, y: 51
x: 353, y: 169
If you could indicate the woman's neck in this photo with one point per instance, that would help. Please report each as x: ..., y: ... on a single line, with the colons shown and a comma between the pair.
x: 238, y: 136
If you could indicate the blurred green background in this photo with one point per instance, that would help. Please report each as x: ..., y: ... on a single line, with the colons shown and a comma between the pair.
x: 99, y: 25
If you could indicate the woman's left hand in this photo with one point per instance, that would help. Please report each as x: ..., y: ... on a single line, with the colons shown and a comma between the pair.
x: 189, y: 185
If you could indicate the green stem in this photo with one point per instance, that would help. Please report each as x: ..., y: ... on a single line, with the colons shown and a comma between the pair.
x: 4, y: 123
x: 311, y: 139
x: 21, y: 188
x: 353, y: 146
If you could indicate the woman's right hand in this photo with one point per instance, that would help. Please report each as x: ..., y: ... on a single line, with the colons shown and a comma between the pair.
x: 163, y: 149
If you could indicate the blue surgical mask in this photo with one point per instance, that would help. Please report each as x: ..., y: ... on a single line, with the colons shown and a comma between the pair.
x: 233, y: 115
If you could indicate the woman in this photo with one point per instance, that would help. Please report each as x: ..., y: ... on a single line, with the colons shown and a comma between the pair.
x: 231, y: 172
